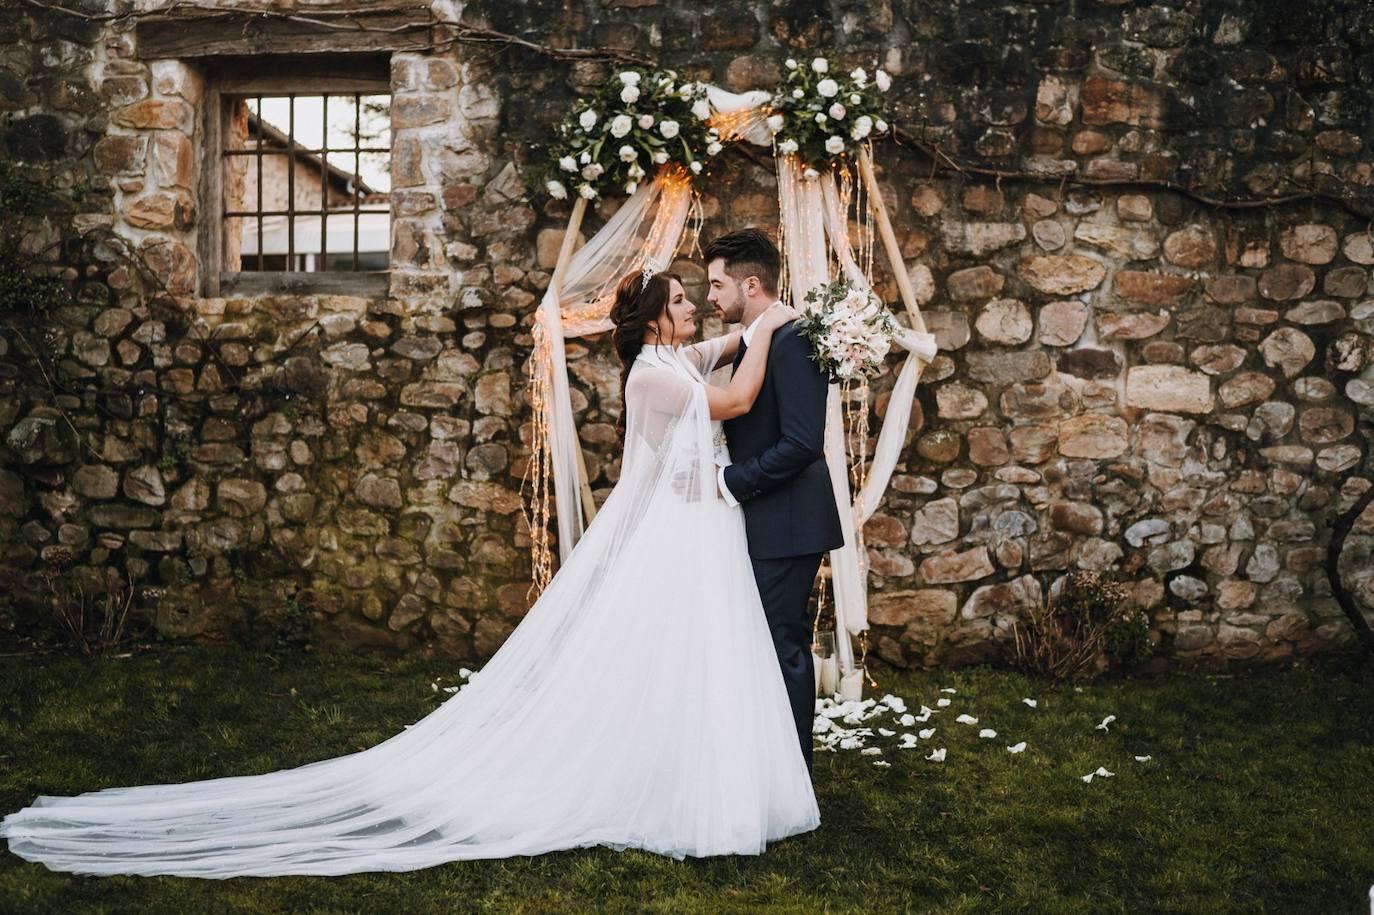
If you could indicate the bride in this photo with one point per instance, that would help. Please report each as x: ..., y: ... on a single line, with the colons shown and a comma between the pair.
x: 638, y: 704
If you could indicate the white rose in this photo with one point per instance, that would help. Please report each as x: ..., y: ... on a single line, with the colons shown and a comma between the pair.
x: 775, y: 122
x: 701, y: 109
x: 855, y: 99
x: 880, y: 125
x: 859, y: 75
x: 787, y: 147
x: 820, y: 117
x: 556, y: 190
x: 862, y: 127
x: 790, y: 63
x: 631, y: 187
x: 669, y: 129
x: 628, y: 153
x: 630, y: 78
x: 883, y: 80
x: 696, y: 167
x: 828, y: 88
x: 646, y: 121
x: 568, y: 164
x: 837, y: 111
x: 629, y: 94
x: 587, y: 192
x: 834, y: 145
x: 593, y: 171
x: 587, y: 119
x: 660, y: 157
x: 585, y: 158
x: 713, y: 149
x: 820, y: 65
x: 797, y: 93
x: 620, y: 125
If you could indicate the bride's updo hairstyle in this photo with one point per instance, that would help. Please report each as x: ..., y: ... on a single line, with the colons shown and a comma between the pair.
x: 637, y: 304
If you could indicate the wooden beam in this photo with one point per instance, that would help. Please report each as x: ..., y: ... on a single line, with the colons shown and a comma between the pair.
x: 214, y: 34
x: 894, y: 251
x: 372, y: 283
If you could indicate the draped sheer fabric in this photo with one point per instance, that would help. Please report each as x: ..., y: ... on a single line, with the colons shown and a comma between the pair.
x: 638, y: 704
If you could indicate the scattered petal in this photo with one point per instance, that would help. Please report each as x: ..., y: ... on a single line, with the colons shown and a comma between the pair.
x: 871, y: 751
x: 966, y: 719
x: 942, y: 703
x: 882, y: 763
x: 885, y: 732
x: 851, y: 743
x: 987, y: 733
x: 1031, y: 702
x: 927, y: 733
x: 1017, y: 747
x: 907, y: 721
x: 1106, y: 721
x: 1102, y: 771
x: 1142, y: 759
x: 908, y: 742
x: 937, y: 755
x: 947, y: 689
x: 1088, y: 777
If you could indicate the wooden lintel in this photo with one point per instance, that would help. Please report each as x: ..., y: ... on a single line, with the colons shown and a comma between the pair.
x: 372, y: 284
x: 242, y: 32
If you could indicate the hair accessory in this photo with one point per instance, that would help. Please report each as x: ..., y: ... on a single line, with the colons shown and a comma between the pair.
x: 650, y: 268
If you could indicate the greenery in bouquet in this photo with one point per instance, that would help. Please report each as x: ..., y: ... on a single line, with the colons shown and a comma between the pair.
x: 849, y: 329
x: 819, y: 116
x: 639, y: 121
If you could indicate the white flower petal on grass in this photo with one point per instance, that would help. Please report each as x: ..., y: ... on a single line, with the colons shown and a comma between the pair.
x: 1142, y: 759
x: 883, y: 764
x: 942, y: 703
x: 907, y: 720
x: 927, y: 733
x: 1106, y: 721
x: 937, y: 755
x: 1017, y: 747
x: 1102, y: 771
x: 966, y: 719
x: 948, y: 689
x: 987, y: 733
x: 908, y: 742
x: 896, y: 703
x: 851, y: 743
x: 821, y: 725
x: 1087, y: 778
x: 885, y: 732
x: 1031, y: 702
x: 871, y: 751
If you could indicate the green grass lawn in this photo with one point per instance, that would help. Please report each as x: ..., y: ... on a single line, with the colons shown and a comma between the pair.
x: 1258, y: 794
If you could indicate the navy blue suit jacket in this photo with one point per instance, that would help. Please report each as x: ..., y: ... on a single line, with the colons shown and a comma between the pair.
x: 779, y: 474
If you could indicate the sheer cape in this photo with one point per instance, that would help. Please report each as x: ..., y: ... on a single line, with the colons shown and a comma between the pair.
x: 639, y: 703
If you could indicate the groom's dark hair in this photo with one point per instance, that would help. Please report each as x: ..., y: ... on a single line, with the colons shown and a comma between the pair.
x: 748, y: 252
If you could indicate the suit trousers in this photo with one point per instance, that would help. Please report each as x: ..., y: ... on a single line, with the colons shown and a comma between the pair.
x: 785, y: 590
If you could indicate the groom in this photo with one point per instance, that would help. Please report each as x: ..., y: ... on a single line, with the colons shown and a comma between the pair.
x: 779, y: 472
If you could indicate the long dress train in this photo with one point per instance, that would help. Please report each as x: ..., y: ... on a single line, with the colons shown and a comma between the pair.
x: 638, y: 704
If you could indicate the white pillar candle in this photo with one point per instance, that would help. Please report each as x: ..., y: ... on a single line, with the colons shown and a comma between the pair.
x: 852, y: 685
x: 816, y: 669
x: 830, y: 675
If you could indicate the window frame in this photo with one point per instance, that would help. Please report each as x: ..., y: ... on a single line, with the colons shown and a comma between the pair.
x: 367, y: 73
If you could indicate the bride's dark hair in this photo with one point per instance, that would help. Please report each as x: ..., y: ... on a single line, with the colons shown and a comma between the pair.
x: 636, y: 305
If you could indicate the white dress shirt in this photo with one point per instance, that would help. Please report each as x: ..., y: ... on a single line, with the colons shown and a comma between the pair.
x: 745, y: 339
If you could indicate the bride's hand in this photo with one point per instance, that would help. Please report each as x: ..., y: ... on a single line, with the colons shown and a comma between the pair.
x: 778, y: 315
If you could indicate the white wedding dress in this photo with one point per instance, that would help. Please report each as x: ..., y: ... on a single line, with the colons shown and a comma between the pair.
x: 638, y: 704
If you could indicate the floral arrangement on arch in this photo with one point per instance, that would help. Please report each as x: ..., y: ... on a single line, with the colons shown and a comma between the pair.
x: 819, y: 117
x: 640, y: 120
x: 849, y: 329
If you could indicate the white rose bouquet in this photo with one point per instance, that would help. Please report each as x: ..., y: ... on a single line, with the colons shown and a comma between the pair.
x: 849, y: 329
x: 819, y: 116
x: 616, y: 137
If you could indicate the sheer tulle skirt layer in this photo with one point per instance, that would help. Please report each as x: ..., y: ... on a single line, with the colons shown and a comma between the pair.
x: 638, y: 704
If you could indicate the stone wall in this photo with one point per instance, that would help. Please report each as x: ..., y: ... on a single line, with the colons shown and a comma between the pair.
x: 1141, y: 370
